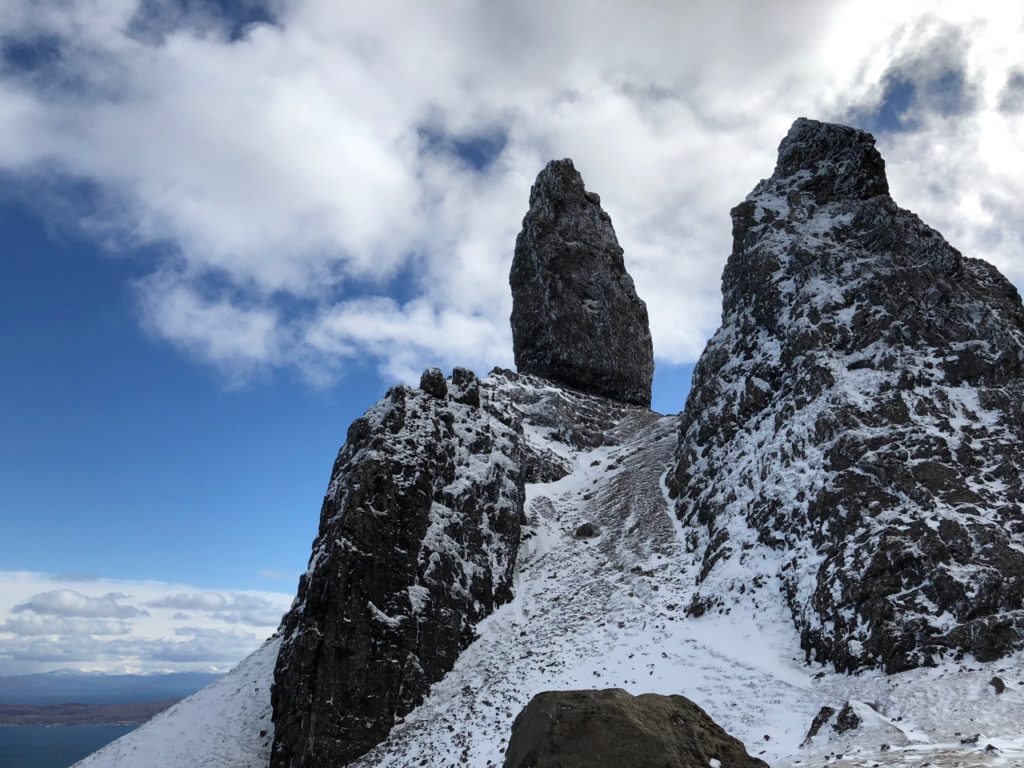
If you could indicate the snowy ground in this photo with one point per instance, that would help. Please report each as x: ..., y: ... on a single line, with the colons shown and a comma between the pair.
x: 609, y: 612
x: 225, y: 725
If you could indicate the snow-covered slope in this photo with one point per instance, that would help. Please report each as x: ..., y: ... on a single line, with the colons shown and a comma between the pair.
x: 227, y: 724
x: 609, y: 612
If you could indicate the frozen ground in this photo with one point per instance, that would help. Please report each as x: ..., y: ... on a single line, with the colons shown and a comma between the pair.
x: 609, y: 612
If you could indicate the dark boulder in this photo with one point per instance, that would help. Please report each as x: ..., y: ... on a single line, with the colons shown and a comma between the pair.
x: 824, y: 716
x: 576, y: 318
x: 612, y: 729
x: 587, y: 531
x: 846, y: 720
x: 857, y: 423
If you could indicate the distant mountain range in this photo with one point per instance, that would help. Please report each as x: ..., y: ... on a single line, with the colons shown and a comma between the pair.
x: 74, y: 687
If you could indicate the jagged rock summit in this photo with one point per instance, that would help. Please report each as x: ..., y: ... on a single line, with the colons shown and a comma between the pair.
x: 854, y: 435
x: 576, y: 318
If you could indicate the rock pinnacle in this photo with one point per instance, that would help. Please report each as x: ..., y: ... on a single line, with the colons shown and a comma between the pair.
x: 576, y: 318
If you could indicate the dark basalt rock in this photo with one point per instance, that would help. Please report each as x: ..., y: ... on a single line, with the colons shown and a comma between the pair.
x: 419, y: 533
x: 824, y: 715
x: 611, y: 728
x: 432, y: 382
x: 846, y: 720
x: 576, y: 318
x: 855, y: 429
x: 418, y: 539
x: 587, y: 531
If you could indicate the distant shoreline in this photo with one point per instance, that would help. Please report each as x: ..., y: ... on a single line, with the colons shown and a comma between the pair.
x: 13, y: 715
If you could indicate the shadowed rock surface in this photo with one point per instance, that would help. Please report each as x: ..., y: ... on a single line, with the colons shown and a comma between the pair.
x: 418, y: 538
x: 576, y: 318
x: 612, y: 729
x: 854, y: 431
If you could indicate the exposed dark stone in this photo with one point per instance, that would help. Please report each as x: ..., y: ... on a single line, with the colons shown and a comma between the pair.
x: 846, y: 720
x: 419, y: 533
x: 465, y: 387
x: 861, y: 410
x: 576, y: 318
x: 823, y: 716
x: 998, y: 684
x: 589, y: 729
x: 587, y: 531
x: 418, y: 538
x: 432, y: 382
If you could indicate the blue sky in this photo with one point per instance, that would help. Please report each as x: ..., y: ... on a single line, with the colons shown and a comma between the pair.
x: 229, y: 226
x: 122, y: 457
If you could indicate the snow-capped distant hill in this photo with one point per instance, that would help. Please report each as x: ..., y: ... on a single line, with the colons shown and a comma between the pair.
x: 227, y: 724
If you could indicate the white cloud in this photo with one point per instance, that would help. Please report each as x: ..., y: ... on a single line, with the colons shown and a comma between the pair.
x: 232, y: 607
x: 301, y: 184
x: 49, y: 621
x: 68, y: 602
x: 31, y: 625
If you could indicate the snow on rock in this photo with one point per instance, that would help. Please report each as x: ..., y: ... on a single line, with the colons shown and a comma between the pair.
x: 225, y: 725
x: 418, y: 538
x: 845, y: 494
x: 854, y: 431
x: 610, y: 612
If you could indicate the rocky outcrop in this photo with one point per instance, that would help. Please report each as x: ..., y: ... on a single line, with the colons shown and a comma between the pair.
x: 576, y: 318
x: 418, y: 538
x: 419, y: 534
x: 590, y: 729
x: 854, y: 434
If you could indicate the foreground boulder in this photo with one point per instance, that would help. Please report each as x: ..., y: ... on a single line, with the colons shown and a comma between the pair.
x: 854, y: 434
x: 612, y: 729
x: 418, y: 538
x: 576, y: 318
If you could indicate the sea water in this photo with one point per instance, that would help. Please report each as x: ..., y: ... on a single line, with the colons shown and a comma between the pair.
x: 54, y: 746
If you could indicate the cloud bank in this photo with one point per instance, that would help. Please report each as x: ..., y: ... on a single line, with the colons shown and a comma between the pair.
x: 314, y: 187
x: 49, y: 622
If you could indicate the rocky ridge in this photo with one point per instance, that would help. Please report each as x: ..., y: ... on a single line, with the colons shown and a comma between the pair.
x: 418, y: 538
x: 576, y: 318
x: 855, y: 426
x: 846, y: 478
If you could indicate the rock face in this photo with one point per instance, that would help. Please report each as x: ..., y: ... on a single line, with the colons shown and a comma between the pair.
x: 418, y: 538
x: 854, y: 435
x: 576, y: 318
x: 611, y: 728
x: 419, y: 534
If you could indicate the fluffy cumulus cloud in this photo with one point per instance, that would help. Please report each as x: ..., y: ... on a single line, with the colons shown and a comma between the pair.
x: 68, y: 602
x: 253, y: 610
x: 320, y: 186
x: 49, y: 622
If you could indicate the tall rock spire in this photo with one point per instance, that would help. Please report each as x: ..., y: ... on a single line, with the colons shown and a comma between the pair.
x: 576, y: 318
x: 853, y: 435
